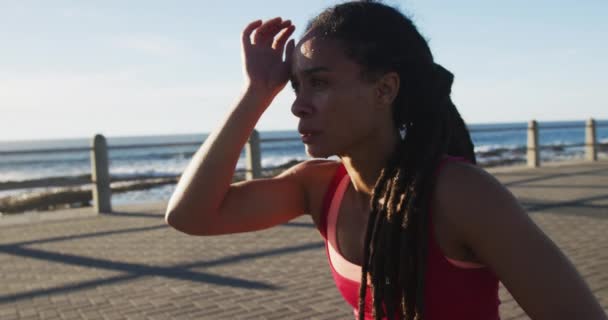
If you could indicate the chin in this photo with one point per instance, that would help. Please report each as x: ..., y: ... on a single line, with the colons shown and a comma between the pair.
x: 316, y: 152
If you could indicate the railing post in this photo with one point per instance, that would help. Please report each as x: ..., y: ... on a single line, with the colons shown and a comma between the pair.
x: 100, y: 175
x: 533, y: 150
x: 252, y: 151
x: 590, y: 141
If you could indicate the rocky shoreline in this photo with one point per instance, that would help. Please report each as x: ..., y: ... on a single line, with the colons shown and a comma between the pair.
x: 75, y: 192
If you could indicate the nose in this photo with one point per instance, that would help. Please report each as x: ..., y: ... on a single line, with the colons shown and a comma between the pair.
x: 301, y: 108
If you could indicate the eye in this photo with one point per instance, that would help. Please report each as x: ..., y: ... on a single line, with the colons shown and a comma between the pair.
x: 294, y: 86
x: 317, y: 83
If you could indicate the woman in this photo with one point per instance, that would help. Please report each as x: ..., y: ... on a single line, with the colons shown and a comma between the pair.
x: 414, y: 230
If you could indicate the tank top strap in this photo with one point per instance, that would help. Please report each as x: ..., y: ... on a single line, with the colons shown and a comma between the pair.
x: 329, y: 195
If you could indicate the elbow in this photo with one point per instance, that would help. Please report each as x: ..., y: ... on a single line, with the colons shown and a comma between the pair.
x: 181, y: 226
x: 184, y: 223
x: 172, y: 219
x: 176, y: 221
x: 171, y: 215
x: 175, y: 217
x: 188, y: 218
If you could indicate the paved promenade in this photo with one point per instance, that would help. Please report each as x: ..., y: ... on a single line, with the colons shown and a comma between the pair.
x: 129, y: 265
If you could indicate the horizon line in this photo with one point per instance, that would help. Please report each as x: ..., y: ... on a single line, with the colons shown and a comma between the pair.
x: 145, y: 135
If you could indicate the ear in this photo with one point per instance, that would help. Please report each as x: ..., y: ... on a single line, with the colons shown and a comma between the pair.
x: 387, y: 87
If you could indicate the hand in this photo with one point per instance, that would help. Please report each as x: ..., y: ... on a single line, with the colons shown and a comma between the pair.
x: 263, y: 63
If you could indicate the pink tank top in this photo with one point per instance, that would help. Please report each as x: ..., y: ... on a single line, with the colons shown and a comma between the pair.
x: 453, y: 289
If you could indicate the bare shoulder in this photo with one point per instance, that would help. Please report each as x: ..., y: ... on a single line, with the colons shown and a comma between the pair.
x: 457, y: 178
x: 473, y: 202
x: 466, y: 190
x: 484, y: 215
x: 314, y: 177
x: 308, y: 168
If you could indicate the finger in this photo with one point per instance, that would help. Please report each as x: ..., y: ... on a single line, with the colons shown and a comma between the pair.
x: 277, y: 30
x: 246, y: 36
x: 281, y: 39
x: 285, y: 24
x: 266, y: 32
x: 289, y: 49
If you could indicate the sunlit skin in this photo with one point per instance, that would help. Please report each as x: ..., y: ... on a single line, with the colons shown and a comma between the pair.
x: 348, y: 115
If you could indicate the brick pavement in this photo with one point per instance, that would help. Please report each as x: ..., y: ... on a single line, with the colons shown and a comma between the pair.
x: 129, y: 265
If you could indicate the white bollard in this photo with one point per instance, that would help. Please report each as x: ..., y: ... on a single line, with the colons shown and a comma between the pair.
x: 590, y: 141
x: 254, y: 162
x: 533, y: 150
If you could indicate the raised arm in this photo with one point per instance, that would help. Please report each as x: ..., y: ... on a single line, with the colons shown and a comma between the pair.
x: 204, y: 201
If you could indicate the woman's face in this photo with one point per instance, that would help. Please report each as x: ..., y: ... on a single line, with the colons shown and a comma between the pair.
x: 334, y: 103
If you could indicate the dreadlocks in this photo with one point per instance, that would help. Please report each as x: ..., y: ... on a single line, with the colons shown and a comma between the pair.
x: 381, y: 39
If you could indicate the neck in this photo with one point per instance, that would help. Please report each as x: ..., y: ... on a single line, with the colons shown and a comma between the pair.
x: 365, y: 160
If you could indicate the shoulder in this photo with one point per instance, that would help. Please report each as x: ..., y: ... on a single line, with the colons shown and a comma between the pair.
x: 462, y: 185
x: 306, y: 168
x: 314, y: 177
x: 313, y: 174
x: 482, y: 212
x: 473, y: 201
x: 458, y: 178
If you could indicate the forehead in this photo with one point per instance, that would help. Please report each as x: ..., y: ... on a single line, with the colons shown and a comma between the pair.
x: 313, y: 52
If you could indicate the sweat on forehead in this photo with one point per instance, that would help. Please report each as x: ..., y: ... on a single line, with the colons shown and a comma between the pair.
x: 313, y: 52
x: 313, y: 44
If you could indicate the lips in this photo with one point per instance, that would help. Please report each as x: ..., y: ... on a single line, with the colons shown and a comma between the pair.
x: 307, y: 135
x: 307, y: 132
x: 304, y: 134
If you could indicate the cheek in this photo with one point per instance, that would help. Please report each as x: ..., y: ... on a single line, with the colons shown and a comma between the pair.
x: 323, y: 101
x: 357, y: 109
x: 347, y: 104
x: 348, y: 115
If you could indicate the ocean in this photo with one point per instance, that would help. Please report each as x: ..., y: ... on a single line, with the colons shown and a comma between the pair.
x: 491, y: 147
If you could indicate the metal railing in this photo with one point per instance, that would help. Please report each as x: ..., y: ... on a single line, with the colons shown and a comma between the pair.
x: 100, y: 174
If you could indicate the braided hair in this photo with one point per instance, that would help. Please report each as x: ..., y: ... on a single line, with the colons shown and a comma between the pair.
x: 381, y: 39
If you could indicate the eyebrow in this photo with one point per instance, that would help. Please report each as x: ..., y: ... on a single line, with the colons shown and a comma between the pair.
x: 315, y: 69
x: 308, y: 72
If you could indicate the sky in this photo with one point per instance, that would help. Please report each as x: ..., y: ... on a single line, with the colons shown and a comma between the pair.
x: 127, y: 68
